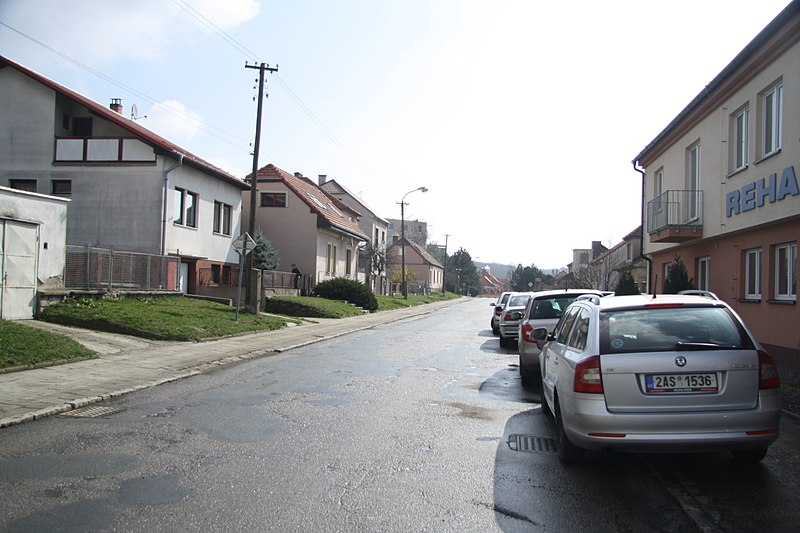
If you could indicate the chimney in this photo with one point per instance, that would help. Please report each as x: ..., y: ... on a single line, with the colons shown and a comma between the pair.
x: 116, y: 105
x: 298, y: 175
x: 323, y: 178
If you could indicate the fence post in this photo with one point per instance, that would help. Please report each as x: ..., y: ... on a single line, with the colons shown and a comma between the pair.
x: 110, y: 270
x: 88, y: 264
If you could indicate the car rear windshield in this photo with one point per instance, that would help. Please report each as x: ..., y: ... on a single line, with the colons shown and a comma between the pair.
x: 550, y: 307
x: 518, y: 301
x: 658, y: 329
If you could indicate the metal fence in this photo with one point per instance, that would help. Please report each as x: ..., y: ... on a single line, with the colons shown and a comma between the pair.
x: 100, y: 268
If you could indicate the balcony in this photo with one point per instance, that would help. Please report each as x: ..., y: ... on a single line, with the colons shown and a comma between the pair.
x: 675, y: 216
x: 102, y: 150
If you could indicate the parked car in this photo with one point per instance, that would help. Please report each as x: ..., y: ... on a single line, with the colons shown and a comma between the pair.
x: 510, y: 317
x: 542, y: 311
x: 656, y: 374
x: 497, y: 308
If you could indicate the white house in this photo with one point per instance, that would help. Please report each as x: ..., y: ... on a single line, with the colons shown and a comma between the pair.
x: 130, y: 189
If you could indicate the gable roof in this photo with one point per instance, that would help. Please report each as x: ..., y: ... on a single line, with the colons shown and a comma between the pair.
x: 426, y: 256
x: 161, y: 144
x: 338, y: 188
x: 330, y: 212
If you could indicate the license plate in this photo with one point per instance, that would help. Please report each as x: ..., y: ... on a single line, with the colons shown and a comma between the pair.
x: 663, y: 383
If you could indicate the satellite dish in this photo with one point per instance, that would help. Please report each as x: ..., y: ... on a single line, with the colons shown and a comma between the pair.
x: 135, y: 113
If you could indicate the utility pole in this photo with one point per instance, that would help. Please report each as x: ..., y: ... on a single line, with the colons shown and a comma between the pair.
x: 444, y: 266
x: 262, y: 68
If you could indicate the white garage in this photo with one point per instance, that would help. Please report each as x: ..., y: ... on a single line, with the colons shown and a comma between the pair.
x: 32, y: 248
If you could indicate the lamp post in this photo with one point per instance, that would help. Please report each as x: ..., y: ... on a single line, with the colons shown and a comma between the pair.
x: 403, y: 240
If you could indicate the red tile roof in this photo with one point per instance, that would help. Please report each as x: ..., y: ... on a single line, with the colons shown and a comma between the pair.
x: 159, y: 143
x: 330, y: 211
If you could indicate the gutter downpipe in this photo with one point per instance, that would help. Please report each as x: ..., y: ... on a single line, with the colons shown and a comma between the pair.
x: 641, y: 171
x: 164, y: 216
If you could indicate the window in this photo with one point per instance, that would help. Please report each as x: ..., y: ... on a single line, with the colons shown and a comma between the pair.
x: 23, y: 185
x: 580, y: 332
x: 752, y: 274
x: 703, y: 273
x: 222, y: 218
x: 564, y: 325
x: 786, y: 272
x: 273, y: 199
x: 693, y: 181
x: 82, y: 127
x: 331, y: 259
x: 739, y: 145
x: 349, y: 259
x: 185, y: 208
x: 61, y: 188
x: 658, y: 188
x: 215, y: 274
x: 771, y: 121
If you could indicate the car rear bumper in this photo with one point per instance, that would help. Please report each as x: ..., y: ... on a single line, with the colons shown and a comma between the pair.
x: 509, y: 331
x: 589, y: 425
x: 529, y: 355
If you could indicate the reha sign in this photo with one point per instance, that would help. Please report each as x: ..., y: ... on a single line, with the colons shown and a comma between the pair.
x: 756, y: 193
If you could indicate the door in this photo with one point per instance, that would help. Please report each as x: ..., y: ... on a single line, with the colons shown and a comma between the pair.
x: 18, y: 261
x: 183, y: 280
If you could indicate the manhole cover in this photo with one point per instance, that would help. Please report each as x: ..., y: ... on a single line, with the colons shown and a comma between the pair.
x: 92, y: 411
x: 533, y: 444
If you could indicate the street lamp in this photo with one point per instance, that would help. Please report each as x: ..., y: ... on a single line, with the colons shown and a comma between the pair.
x: 403, y: 239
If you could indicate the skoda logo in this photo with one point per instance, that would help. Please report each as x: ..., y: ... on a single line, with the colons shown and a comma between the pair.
x: 680, y: 361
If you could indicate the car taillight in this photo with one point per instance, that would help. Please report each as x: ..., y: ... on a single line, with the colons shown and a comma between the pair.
x: 768, y: 376
x: 497, y: 312
x: 525, y: 332
x: 507, y: 317
x: 588, y: 377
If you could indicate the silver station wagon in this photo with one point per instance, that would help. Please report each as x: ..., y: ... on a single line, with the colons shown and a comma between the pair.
x: 658, y: 374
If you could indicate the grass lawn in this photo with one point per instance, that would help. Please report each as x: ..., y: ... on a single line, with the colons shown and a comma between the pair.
x: 387, y: 303
x: 21, y: 345
x: 161, y: 318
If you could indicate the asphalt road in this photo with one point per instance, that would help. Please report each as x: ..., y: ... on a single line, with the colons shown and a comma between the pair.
x: 419, y: 425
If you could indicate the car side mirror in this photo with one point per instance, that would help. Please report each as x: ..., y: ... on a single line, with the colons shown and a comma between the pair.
x: 516, y: 315
x: 539, y: 334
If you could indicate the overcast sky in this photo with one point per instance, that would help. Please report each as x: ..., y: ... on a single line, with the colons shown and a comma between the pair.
x: 521, y: 117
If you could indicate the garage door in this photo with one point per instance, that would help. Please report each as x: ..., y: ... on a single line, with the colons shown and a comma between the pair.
x: 18, y: 249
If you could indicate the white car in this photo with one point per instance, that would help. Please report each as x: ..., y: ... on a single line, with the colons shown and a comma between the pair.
x: 510, y: 317
x: 658, y: 373
x: 497, y: 308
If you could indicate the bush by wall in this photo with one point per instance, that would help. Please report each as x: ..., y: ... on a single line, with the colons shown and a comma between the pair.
x: 349, y: 290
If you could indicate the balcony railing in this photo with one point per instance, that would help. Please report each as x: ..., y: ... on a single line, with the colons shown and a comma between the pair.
x: 102, y: 150
x: 675, y: 216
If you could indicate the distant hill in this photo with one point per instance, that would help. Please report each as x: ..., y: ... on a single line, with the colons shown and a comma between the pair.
x: 498, y: 270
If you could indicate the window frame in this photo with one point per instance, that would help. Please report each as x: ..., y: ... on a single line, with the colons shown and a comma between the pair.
x: 740, y: 145
x: 54, y: 184
x: 27, y: 185
x: 223, y: 215
x: 658, y: 189
x: 693, y: 180
x: 771, y: 119
x: 789, y: 276
x: 704, y: 272
x: 752, y: 274
x: 185, y: 208
x: 274, y: 195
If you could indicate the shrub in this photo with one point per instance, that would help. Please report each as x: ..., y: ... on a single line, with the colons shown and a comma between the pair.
x: 349, y: 290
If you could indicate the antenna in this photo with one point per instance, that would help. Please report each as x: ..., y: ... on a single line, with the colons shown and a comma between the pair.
x: 135, y: 113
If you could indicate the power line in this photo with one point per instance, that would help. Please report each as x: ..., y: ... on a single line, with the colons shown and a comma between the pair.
x: 169, y: 109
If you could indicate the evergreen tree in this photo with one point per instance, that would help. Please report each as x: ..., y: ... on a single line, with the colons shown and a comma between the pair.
x: 265, y: 256
x: 677, y: 278
x: 626, y: 285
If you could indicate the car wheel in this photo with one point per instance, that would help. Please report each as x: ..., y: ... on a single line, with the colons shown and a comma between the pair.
x: 503, y: 342
x: 568, y: 453
x: 495, y: 331
x: 749, y: 456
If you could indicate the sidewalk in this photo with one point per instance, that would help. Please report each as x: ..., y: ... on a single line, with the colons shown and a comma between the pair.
x: 128, y: 364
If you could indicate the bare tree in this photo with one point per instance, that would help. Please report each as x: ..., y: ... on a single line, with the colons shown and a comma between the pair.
x: 601, y: 274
